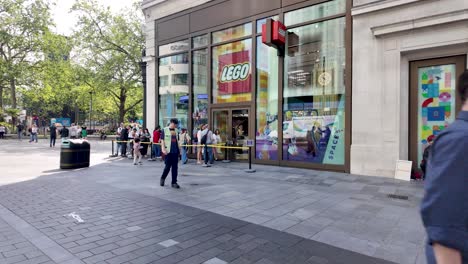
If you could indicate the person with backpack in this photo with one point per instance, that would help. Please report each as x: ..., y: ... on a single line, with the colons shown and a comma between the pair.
x: 207, y: 139
x: 185, y: 140
x: 170, y: 148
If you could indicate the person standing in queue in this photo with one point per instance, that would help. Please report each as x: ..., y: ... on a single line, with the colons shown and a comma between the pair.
x: 170, y: 148
x: 444, y: 208
x: 124, y: 139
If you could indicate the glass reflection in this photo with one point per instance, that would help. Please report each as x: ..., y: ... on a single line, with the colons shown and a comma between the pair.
x: 173, y: 89
x: 267, y: 103
x: 314, y: 93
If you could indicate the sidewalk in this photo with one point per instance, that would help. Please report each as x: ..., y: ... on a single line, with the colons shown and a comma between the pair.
x: 276, y: 215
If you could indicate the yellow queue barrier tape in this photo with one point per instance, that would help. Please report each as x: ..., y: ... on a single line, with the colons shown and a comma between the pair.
x: 216, y: 146
x: 221, y: 145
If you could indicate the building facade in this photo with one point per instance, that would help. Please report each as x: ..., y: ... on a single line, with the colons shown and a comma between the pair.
x: 407, y: 55
x: 338, y: 98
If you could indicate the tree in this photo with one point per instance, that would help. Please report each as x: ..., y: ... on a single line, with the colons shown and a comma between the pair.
x: 23, y: 24
x: 109, y: 51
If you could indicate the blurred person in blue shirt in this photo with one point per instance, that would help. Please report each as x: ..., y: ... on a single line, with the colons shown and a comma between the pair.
x: 444, y: 209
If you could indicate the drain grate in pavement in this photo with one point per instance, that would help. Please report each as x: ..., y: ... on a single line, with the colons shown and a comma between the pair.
x: 399, y: 197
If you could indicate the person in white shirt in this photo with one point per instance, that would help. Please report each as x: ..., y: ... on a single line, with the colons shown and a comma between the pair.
x: 34, y: 131
x: 73, y: 131
x: 216, y: 140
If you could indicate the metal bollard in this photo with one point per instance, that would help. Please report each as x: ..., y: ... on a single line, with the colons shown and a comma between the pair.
x: 226, y: 159
x: 112, y: 154
x: 250, y: 170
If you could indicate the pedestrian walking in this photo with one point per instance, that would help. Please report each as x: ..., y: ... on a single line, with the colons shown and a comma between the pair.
x: 444, y: 208
x: 184, y: 141
x: 170, y: 148
x: 137, y: 151
x: 53, y: 135
x: 34, y: 130
x: 2, y: 131
x: 131, y: 136
x: 19, y: 130
x: 145, y: 138
x: 156, y: 139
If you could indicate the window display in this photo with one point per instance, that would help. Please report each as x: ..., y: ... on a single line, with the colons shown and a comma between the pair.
x: 231, y: 72
x: 267, y: 103
x: 436, y: 102
x: 314, y: 94
x: 173, y: 89
x: 200, y: 88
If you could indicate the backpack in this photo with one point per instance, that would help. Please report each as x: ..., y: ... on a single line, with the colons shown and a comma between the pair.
x: 204, y: 138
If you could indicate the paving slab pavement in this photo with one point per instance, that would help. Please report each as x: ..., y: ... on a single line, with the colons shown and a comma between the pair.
x: 347, y: 211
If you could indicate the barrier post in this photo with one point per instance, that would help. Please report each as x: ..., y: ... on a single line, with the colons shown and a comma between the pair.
x: 250, y: 144
x: 226, y: 159
x: 112, y: 154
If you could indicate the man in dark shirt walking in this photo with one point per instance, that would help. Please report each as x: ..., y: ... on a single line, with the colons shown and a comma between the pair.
x: 53, y: 135
x: 170, y: 148
x: 444, y: 209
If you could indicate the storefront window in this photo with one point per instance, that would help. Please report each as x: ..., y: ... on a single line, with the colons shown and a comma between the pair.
x: 174, y: 47
x: 314, y: 94
x: 436, y: 102
x: 315, y: 12
x: 231, y: 72
x: 200, y: 41
x: 180, y: 59
x: 263, y: 21
x: 200, y: 88
x: 173, y: 89
x: 232, y: 33
x: 267, y: 103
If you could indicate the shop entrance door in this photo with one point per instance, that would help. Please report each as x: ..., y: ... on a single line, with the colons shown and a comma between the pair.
x: 434, y: 101
x: 234, y: 129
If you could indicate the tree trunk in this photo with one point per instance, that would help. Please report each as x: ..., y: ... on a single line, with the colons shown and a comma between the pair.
x: 1, y: 97
x: 122, y: 109
x: 13, y: 92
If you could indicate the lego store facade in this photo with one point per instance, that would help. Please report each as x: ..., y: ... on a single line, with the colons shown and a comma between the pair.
x: 213, y: 68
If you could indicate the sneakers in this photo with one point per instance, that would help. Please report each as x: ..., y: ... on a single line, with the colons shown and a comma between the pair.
x: 135, y: 163
x: 175, y: 185
x: 161, y: 182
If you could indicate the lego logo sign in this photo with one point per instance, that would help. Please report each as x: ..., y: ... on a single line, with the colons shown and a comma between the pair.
x: 237, y: 72
x: 234, y: 73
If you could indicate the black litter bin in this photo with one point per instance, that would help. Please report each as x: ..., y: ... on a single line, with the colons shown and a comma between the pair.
x: 74, y: 154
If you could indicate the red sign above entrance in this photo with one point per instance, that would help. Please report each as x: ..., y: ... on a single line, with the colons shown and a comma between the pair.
x: 274, y: 34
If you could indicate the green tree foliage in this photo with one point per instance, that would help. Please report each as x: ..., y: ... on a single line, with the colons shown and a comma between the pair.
x: 23, y: 24
x: 109, y: 51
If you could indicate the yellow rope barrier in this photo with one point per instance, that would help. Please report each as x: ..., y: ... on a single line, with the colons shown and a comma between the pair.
x: 215, y: 146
